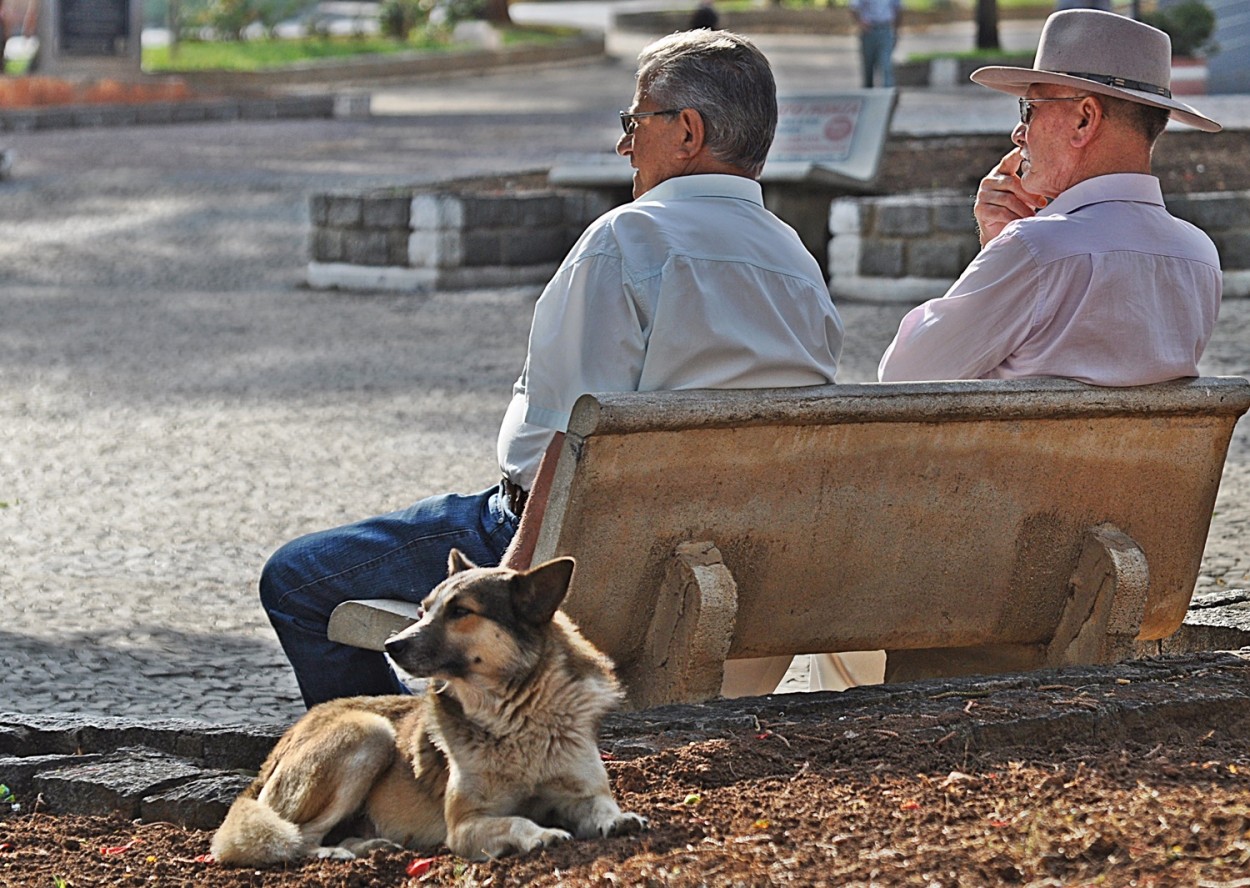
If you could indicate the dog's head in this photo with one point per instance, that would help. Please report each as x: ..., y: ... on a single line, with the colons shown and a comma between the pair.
x: 482, y: 625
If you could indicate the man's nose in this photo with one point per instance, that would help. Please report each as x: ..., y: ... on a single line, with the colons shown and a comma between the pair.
x: 625, y: 145
x: 1017, y: 134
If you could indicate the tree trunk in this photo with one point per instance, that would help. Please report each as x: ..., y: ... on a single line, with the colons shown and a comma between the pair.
x: 497, y: 12
x: 174, y: 22
x: 987, y: 24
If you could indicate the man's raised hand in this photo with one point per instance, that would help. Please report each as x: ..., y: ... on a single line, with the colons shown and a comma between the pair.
x: 1002, y: 198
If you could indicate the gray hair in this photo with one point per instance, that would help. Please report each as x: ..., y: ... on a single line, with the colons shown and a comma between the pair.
x: 1148, y: 120
x: 727, y: 80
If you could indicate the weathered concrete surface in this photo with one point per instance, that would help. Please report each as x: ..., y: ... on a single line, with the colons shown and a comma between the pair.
x: 897, y: 517
x: 1216, y: 621
x: 105, y: 765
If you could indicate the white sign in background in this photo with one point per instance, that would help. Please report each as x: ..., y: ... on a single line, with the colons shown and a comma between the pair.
x: 816, y: 130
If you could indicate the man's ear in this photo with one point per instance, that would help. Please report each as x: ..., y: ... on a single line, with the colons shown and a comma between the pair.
x: 693, y: 132
x: 1090, y: 122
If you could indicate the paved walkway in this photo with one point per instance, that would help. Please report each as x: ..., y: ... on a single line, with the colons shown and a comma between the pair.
x: 174, y: 404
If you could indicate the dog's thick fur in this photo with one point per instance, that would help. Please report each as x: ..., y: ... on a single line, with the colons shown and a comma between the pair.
x: 499, y: 756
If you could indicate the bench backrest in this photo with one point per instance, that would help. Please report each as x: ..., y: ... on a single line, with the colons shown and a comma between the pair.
x: 895, y: 516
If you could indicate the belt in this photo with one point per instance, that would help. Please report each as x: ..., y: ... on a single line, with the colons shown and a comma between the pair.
x: 514, y: 495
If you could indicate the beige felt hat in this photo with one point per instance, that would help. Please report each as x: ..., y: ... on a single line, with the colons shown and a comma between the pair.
x: 1104, y: 53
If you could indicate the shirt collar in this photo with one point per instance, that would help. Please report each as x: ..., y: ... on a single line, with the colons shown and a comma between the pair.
x: 707, y: 185
x: 1136, y: 187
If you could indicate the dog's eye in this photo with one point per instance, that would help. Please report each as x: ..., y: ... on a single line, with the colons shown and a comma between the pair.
x: 456, y: 612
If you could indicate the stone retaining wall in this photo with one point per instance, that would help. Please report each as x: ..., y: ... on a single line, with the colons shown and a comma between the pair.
x: 909, y: 248
x: 453, y: 237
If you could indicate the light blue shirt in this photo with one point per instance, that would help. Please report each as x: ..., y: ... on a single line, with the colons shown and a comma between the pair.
x: 876, y: 12
x: 1103, y: 285
x: 693, y: 285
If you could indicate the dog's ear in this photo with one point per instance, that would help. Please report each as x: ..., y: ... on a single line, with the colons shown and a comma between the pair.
x: 456, y: 562
x: 537, y: 592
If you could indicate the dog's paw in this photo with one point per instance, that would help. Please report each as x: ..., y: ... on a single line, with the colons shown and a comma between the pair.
x: 361, y: 847
x: 500, y: 837
x: 625, y: 824
x: 533, y: 840
x: 332, y: 852
x: 546, y: 837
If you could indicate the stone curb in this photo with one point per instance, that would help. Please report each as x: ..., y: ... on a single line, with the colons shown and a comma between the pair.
x: 188, y: 772
x: 213, y: 110
x: 255, y: 99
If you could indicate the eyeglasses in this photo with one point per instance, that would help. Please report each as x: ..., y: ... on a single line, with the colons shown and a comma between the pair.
x: 629, y: 119
x: 1026, y: 106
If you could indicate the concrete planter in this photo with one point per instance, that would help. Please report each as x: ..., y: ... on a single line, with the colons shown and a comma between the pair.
x: 479, y: 233
x: 1189, y: 76
x: 951, y: 71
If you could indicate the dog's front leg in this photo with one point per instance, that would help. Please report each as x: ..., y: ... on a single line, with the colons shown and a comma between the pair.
x: 476, y: 831
x: 487, y: 837
x: 598, y: 817
x: 582, y: 800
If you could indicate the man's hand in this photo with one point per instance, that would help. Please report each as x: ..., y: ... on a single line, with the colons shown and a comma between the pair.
x: 1002, y: 198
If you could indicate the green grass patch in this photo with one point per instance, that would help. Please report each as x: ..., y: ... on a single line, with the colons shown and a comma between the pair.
x: 261, y: 55
x: 991, y: 56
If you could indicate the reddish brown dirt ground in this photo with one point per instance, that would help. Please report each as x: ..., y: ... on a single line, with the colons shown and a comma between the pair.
x: 775, y: 808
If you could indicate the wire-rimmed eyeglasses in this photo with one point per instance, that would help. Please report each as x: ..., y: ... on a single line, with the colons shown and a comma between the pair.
x: 629, y: 119
x: 1026, y: 105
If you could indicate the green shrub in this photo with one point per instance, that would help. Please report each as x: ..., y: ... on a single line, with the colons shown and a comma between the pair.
x: 228, y: 18
x: 397, y: 18
x: 1189, y: 24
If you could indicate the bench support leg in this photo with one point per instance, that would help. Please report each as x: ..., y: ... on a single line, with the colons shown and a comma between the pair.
x: 688, y: 639
x: 1099, y: 622
x: 1106, y: 601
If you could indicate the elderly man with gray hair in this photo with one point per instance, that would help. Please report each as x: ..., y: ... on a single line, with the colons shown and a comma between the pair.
x: 693, y: 284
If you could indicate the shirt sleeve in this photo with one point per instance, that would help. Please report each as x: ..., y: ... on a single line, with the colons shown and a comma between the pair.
x: 586, y: 337
x: 969, y: 332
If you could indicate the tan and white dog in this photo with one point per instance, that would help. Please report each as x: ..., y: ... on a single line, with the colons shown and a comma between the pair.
x: 499, y: 756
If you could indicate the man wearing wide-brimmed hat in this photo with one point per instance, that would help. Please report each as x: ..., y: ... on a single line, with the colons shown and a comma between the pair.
x: 1082, y: 272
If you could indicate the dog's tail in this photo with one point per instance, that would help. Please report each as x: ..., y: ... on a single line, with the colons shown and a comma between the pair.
x: 253, y: 834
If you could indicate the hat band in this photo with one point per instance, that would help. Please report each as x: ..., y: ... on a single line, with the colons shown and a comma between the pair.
x: 1123, y: 83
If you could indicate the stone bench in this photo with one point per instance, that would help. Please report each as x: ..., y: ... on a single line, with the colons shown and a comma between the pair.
x: 963, y: 527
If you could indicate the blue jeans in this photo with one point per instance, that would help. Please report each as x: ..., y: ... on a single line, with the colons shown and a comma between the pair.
x: 876, y: 47
x: 400, y: 555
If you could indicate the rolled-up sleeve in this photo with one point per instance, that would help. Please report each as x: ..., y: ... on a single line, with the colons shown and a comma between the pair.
x: 975, y: 326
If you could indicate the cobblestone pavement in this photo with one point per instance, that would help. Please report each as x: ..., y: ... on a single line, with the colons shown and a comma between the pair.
x: 174, y: 404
